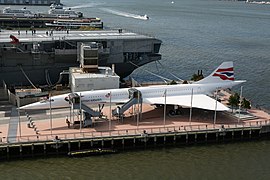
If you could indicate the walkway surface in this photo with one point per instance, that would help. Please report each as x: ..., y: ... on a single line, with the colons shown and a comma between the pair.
x: 13, y: 125
x: 152, y: 120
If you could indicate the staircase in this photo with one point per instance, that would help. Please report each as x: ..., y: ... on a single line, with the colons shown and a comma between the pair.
x: 87, y: 109
x: 135, y: 98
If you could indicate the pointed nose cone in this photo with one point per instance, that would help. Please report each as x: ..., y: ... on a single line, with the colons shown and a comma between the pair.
x: 55, y: 102
x: 37, y: 105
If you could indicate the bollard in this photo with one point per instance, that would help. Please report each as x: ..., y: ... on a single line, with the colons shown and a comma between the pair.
x: 32, y: 149
x: 69, y: 146
x: 92, y: 143
x: 123, y: 143
x: 79, y: 145
x: 8, y: 152
x: 112, y: 142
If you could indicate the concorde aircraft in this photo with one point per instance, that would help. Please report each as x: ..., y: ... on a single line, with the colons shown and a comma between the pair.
x: 179, y: 94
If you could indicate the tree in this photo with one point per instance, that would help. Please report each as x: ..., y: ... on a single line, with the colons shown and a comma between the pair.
x: 172, y: 82
x: 245, y: 104
x: 234, y: 100
x: 185, y: 82
x: 198, y: 76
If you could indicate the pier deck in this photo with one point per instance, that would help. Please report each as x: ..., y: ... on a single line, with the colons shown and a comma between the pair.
x: 152, y: 120
x: 147, y: 130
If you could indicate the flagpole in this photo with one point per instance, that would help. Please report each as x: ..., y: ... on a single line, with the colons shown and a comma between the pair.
x: 18, y: 104
x: 138, y: 111
x: 80, y: 112
x: 240, y: 103
x: 110, y: 114
x: 50, y: 112
x: 190, y: 114
x: 164, y: 118
x: 72, y: 113
x: 215, y: 115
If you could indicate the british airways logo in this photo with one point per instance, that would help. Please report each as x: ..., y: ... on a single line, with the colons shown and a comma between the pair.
x: 225, y: 74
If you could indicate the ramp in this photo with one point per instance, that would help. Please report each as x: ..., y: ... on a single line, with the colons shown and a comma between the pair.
x: 13, y: 125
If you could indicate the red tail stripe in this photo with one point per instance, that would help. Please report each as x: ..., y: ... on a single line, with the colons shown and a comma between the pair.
x: 227, y: 69
x: 223, y: 77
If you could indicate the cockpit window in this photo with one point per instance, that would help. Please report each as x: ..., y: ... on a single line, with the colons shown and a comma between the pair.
x: 67, y: 99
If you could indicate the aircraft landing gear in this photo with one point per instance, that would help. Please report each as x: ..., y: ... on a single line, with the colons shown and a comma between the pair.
x: 176, y: 111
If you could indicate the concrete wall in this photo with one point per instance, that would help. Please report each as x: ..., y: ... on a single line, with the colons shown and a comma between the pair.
x: 12, y: 99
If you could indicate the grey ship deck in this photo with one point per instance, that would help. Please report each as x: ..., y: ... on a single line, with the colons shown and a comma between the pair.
x: 27, y: 2
x: 41, y: 35
x: 41, y: 52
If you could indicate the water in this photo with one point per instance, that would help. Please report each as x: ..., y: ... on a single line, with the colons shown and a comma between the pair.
x: 196, y: 34
x: 248, y: 160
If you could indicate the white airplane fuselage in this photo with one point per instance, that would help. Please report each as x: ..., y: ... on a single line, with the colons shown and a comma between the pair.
x: 122, y: 95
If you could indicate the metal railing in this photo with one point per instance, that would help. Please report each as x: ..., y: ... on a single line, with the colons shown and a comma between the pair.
x: 134, y: 132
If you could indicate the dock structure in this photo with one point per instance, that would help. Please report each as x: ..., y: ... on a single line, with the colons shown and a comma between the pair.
x: 29, y: 2
x: 41, y: 138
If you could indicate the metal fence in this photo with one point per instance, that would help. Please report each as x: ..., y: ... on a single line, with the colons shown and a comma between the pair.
x: 135, y: 132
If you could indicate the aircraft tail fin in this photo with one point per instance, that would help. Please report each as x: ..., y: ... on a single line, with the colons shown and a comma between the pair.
x: 224, y: 72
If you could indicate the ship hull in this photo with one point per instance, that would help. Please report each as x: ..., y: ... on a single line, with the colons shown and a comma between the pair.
x: 39, y: 57
x: 46, y: 75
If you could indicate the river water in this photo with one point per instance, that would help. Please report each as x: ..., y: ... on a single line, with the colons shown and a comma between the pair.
x: 196, y: 34
x: 246, y: 160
